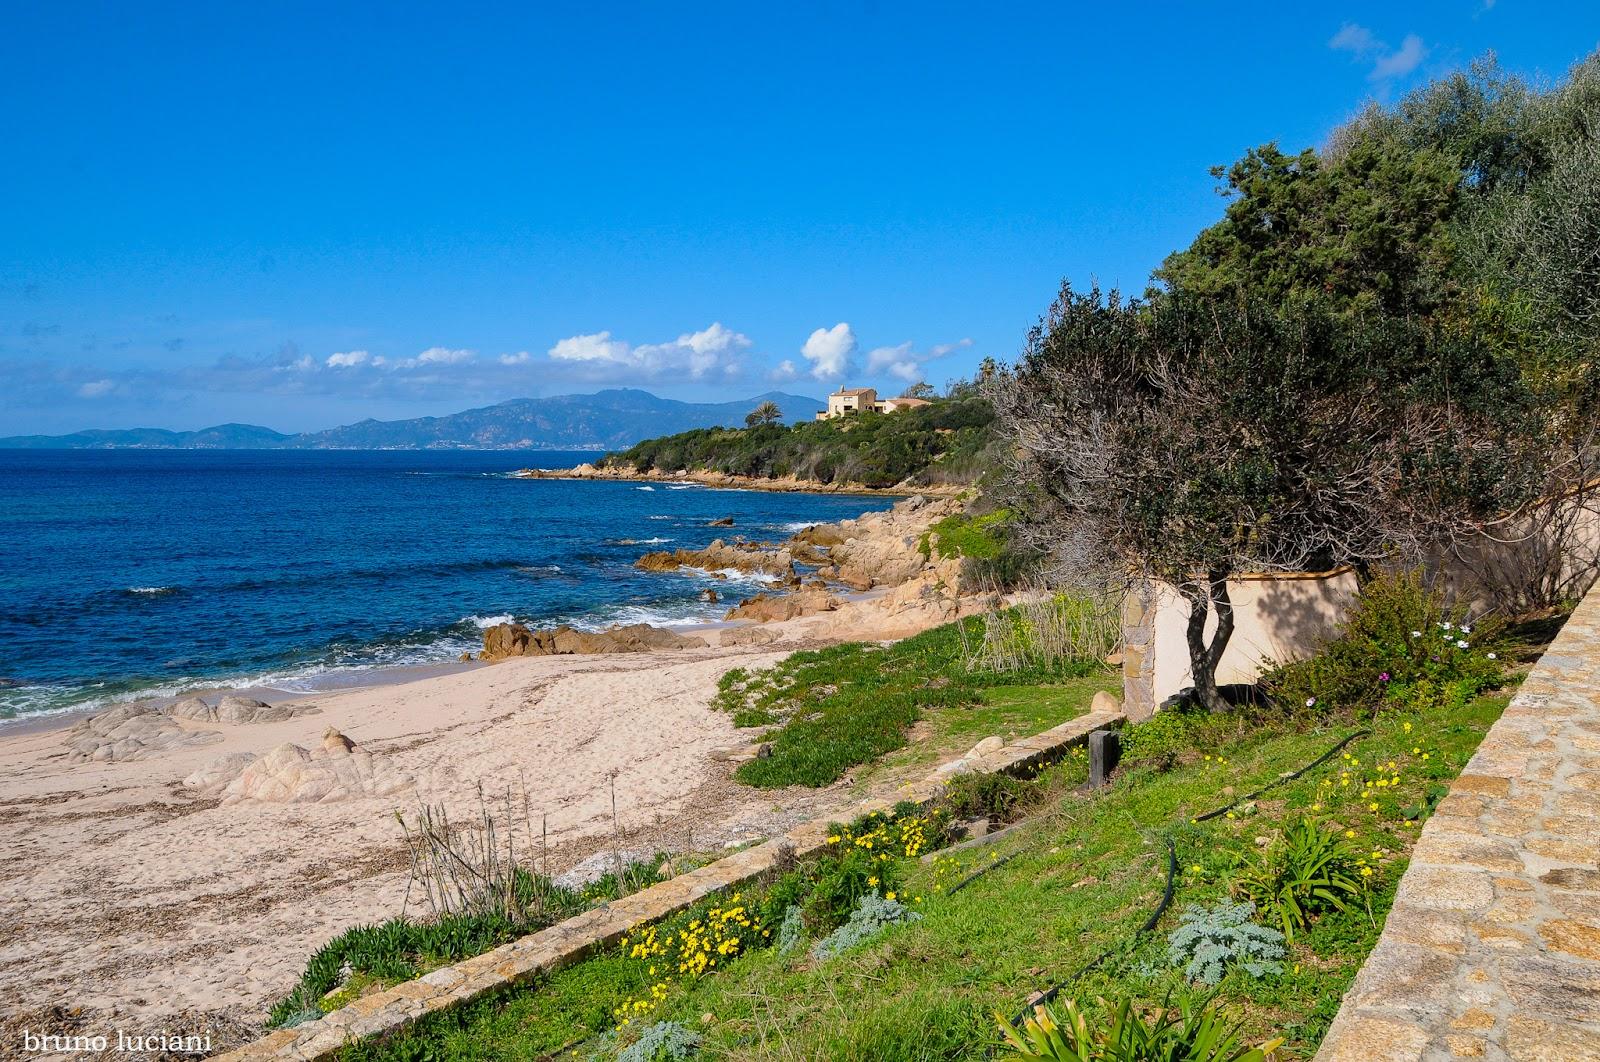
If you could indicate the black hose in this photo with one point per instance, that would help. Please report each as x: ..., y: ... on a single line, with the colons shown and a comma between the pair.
x: 1149, y: 923
x: 1172, y: 872
x: 1318, y: 762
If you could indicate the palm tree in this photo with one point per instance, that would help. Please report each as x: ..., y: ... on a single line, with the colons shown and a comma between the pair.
x: 766, y: 413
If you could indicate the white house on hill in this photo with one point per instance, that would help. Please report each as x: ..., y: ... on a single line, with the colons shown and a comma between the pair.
x: 847, y: 402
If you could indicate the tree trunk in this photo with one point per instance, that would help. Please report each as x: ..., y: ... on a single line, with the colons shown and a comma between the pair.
x: 1204, y: 658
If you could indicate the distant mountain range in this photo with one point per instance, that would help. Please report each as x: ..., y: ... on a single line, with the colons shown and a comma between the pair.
x: 607, y: 420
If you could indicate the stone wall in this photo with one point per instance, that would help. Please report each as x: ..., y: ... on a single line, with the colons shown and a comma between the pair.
x: 524, y: 960
x: 1492, y: 948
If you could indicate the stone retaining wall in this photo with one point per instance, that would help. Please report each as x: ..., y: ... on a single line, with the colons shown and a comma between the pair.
x: 540, y: 953
x: 1492, y: 949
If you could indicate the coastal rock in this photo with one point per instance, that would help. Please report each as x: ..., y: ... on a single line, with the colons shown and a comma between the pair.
x: 216, y: 773
x: 236, y: 709
x: 193, y: 708
x: 723, y: 521
x: 749, y: 636
x: 597, y: 866
x: 513, y: 639
x: 721, y: 557
x: 710, y: 596
x: 130, y: 732
x: 339, y: 770
x: 766, y: 608
x: 879, y: 548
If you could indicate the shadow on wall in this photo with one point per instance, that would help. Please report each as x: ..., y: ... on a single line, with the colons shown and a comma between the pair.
x: 1276, y: 618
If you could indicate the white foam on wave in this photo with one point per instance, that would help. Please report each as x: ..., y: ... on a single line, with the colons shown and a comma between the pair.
x: 796, y: 526
x: 644, y: 488
x: 660, y: 518
x: 152, y: 590
x: 483, y: 623
x: 682, y: 486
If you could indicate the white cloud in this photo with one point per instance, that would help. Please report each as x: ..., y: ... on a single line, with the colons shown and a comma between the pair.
x: 96, y: 389
x: 443, y: 356
x: 830, y: 351
x: 521, y: 357
x: 906, y: 362
x: 1356, y: 39
x: 1398, y: 64
x: 349, y: 359
x: 784, y: 372
x: 713, y: 349
x: 1387, y: 63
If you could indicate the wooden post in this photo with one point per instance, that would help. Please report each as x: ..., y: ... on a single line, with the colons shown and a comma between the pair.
x: 1105, y: 749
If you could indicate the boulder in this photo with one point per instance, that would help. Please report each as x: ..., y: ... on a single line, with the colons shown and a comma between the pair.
x: 767, y: 608
x: 193, y: 708
x: 513, y: 639
x: 724, y: 521
x: 236, y: 709
x: 338, y: 770
x: 709, y: 596
x: 1105, y: 702
x: 723, y: 556
x: 130, y: 732
x: 749, y: 636
x: 597, y: 866
x: 992, y: 743
x: 215, y: 774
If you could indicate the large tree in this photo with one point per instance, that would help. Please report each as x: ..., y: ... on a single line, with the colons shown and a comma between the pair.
x: 1201, y: 436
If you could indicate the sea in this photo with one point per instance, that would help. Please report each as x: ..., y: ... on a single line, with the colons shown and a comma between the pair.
x: 146, y: 573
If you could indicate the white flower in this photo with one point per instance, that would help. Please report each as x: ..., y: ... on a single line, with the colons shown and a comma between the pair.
x: 1416, y: 634
x: 1311, y: 702
x: 1461, y: 643
x: 1466, y: 630
x: 1492, y: 656
x: 1444, y: 626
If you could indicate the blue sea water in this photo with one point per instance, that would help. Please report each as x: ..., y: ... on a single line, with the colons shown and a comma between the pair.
x: 140, y: 572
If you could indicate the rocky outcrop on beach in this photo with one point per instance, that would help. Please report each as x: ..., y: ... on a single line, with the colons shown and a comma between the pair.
x: 705, y: 477
x: 513, y: 639
x: 881, y: 548
x: 768, y: 608
x: 213, y: 775
x: 337, y: 770
x: 236, y: 709
x: 130, y: 732
x: 748, y: 557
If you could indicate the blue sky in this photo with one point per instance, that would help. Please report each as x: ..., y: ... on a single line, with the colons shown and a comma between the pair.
x: 304, y: 215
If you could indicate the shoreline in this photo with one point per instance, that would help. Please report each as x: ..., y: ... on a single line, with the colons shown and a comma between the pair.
x: 241, y: 844
x: 726, y: 481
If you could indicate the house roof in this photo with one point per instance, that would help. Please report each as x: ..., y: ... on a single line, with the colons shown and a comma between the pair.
x: 857, y: 391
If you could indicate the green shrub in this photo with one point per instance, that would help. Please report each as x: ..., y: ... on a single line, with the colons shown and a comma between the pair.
x: 1401, y: 644
x: 1209, y: 940
x: 872, y: 915
x: 665, y: 1041
x: 851, y: 703
x: 1162, y: 739
x: 1114, y: 1032
x: 969, y: 796
x: 1305, y: 871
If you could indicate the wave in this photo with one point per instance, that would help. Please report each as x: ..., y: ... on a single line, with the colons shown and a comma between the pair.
x: 682, y: 486
x: 794, y: 527
x: 661, y: 518
x: 151, y: 591
x: 658, y: 540
x: 646, y: 487
x: 540, y: 569
x: 483, y: 623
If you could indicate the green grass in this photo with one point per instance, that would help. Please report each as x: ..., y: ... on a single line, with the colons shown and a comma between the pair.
x: 1085, y: 874
x: 839, y: 707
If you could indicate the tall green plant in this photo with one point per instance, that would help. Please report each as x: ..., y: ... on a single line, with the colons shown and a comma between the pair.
x: 1115, y: 1033
x: 1305, y: 871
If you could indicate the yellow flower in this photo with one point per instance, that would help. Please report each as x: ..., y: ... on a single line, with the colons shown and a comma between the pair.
x: 888, y: 895
x: 1349, y: 833
x: 1372, y: 806
x: 1366, y: 872
x: 873, y: 882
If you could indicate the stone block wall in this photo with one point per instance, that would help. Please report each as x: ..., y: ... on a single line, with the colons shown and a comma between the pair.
x: 1492, y: 948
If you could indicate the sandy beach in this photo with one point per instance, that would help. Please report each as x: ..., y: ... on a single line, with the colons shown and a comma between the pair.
x: 136, y: 893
